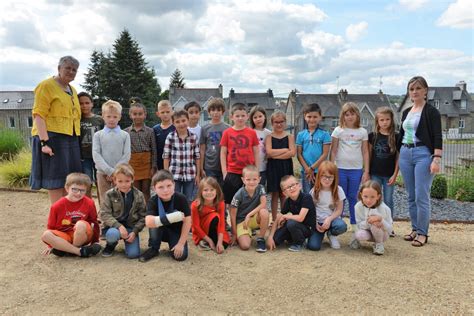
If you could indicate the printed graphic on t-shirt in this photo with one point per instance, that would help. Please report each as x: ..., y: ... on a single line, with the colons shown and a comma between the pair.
x: 214, y: 139
x: 382, y: 149
x: 241, y: 143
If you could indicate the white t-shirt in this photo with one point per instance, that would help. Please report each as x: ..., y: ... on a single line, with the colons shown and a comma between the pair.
x: 262, y: 153
x: 349, y: 151
x: 325, y: 206
x: 196, y: 131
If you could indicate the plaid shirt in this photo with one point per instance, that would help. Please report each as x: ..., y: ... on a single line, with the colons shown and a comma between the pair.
x: 143, y: 140
x: 182, y: 155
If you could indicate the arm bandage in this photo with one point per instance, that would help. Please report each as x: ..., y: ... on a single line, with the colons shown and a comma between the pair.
x: 172, y: 218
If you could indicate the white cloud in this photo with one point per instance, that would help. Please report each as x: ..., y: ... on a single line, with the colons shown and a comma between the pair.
x: 412, y: 5
x: 356, y: 31
x: 459, y: 15
x: 319, y: 42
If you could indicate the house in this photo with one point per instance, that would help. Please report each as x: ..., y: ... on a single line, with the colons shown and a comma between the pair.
x: 454, y: 104
x: 15, y: 112
x: 265, y: 100
x: 179, y: 97
x: 331, y: 105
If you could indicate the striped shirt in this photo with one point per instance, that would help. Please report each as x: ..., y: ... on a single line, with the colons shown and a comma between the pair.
x: 182, y: 154
x: 143, y: 140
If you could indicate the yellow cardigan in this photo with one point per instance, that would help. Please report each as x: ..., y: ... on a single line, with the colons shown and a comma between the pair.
x: 61, y: 111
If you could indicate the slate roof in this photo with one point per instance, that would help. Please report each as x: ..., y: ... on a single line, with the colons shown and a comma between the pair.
x: 16, y: 100
x: 180, y: 96
x: 266, y: 99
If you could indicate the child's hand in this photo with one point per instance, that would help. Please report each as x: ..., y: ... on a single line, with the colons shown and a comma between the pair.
x: 281, y: 221
x: 320, y: 228
x: 197, y: 180
x: 210, y: 242
x: 178, y: 250
x: 246, y: 221
x: 378, y: 224
x: 110, y: 178
x: 220, y: 248
x: 131, y: 237
x: 326, y: 224
x: 233, y: 239
x: 365, y: 177
x: 46, y: 251
x: 372, y: 219
x: 271, y: 243
x: 123, y: 232
x: 392, y: 180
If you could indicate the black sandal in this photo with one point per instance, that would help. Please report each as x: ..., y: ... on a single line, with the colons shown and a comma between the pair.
x: 417, y: 243
x: 411, y: 236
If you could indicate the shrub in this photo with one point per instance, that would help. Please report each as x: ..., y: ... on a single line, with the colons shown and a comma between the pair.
x: 399, y: 181
x: 11, y: 143
x: 462, y: 186
x: 439, y: 188
x: 15, y: 173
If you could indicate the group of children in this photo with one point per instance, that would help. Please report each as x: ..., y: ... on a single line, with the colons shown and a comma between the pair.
x: 197, y: 174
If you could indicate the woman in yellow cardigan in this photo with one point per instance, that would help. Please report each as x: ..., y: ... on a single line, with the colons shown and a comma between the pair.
x: 56, y: 127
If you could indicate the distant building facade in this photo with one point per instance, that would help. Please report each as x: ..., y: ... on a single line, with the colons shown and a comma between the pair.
x: 250, y: 99
x: 15, y: 112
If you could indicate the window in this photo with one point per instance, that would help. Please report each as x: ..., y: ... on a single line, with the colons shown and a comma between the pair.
x: 6, y: 100
x: 365, y: 121
x: 19, y: 100
x: 11, y: 120
x: 335, y: 123
x: 436, y: 104
x: 29, y: 122
x: 463, y: 104
x: 461, y: 123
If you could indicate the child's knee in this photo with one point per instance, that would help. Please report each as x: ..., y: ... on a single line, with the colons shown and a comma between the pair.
x: 81, y: 226
x: 183, y: 257
x: 46, y: 236
x: 244, y: 242
x: 263, y: 214
x: 133, y: 254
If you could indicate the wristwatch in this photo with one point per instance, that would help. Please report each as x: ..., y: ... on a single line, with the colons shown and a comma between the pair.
x: 44, y: 142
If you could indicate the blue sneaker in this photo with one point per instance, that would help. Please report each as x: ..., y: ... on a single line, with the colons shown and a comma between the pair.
x: 295, y: 248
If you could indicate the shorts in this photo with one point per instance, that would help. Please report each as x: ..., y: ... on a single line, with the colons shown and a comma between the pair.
x: 253, y: 224
x: 232, y: 183
x: 69, y: 235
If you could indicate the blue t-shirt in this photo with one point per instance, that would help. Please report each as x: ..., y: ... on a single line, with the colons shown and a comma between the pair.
x: 160, y: 137
x: 312, y: 144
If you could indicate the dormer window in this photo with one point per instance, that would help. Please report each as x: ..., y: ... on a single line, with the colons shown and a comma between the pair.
x: 6, y: 100
x: 463, y: 104
x: 436, y: 104
x: 19, y: 100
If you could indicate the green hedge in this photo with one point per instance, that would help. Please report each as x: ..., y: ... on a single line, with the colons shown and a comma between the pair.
x: 11, y: 143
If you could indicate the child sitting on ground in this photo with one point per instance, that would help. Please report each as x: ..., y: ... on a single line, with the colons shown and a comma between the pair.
x: 123, y: 213
x: 72, y: 223
x: 297, y: 219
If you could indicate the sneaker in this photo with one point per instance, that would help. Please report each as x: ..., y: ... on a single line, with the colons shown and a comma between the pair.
x: 295, y: 248
x: 149, y: 254
x: 354, y: 244
x: 334, y: 242
x: 261, y: 246
x: 379, y: 249
x: 90, y: 250
x: 109, y: 250
x: 58, y: 253
x: 204, y: 245
x: 392, y: 234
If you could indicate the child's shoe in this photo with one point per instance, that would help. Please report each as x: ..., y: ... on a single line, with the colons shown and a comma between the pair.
x: 204, y: 245
x: 109, y: 249
x: 261, y: 246
x: 334, y: 242
x: 58, y: 253
x: 379, y: 249
x: 354, y: 243
x: 90, y: 250
x: 295, y: 248
x: 149, y: 254
x: 392, y: 234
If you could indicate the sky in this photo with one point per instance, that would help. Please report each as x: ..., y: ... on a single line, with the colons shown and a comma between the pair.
x: 250, y: 46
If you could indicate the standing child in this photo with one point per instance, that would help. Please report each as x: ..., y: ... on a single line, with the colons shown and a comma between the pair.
x: 211, y: 135
x: 373, y: 217
x: 168, y: 219
x: 194, y: 111
x: 248, y: 211
x: 384, y: 155
x: 72, y: 221
x: 164, y: 112
x: 123, y: 213
x: 110, y: 146
x: 90, y: 123
x: 143, y: 149
x: 297, y: 219
x: 181, y: 155
x: 239, y: 148
x: 312, y: 145
x: 207, y: 213
x: 328, y: 198
x: 258, y: 121
x: 280, y: 151
x: 350, y: 151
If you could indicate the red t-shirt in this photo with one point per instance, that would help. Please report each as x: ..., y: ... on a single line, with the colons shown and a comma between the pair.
x: 64, y: 214
x: 240, y: 146
x: 201, y: 221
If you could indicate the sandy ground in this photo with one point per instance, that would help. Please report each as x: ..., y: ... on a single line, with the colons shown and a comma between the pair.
x: 435, y: 279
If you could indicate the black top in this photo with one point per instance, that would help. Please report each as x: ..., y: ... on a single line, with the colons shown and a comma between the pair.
x: 382, y: 162
x: 304, y: 200
x: 429, y: 128
x: 180, y: 203
x: 127, y: 203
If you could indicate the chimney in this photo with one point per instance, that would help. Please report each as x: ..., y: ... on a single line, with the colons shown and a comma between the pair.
x: 171, y: 91
x: 270, y: 93
x: 343, y: 95
x: 220, y: 90
x: 232, y: 93
x: 380, y: 93
x: 462, y: 84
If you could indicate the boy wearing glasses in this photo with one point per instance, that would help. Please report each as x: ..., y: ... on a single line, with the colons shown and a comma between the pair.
x: 72, y: 223
x: 312, y: 145
x: 297, y: 219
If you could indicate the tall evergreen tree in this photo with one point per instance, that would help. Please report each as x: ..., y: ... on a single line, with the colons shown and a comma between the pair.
x: 177, y: 79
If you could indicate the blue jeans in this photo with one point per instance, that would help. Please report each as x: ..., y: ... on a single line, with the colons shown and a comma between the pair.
x: 338, y: 227
x: 263, y: 178
x: 88, y: 167
x: 185, y: 187
x: 387, y: 190
x: 169, y: 234
x: 415, y: 168
x: 292, y: 231
x: 307, y: 185
x: 132, y: 250
x: 349, y: 180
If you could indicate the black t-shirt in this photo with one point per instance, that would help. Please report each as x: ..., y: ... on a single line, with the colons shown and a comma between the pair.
x: 382, y: 162
x: 180, y: 203
x: 304, y: 200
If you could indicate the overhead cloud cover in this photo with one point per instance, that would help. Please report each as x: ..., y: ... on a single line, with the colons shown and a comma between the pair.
x: 248, y: 45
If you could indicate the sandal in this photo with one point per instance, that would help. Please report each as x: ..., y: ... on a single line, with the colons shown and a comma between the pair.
x: 411, y: 236
x: 417, y: 243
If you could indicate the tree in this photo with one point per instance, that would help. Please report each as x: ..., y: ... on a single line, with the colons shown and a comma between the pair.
x: 177, y: 80
x: 121, y: 74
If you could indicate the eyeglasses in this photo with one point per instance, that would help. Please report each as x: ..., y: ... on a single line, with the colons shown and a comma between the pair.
x: 76, y: 190
x: 291, y: 186
x: 328, y: 178
x: 279, y: 122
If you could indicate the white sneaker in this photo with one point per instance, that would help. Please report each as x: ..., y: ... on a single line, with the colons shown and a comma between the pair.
x: 379, y: 249
x: 334, y: 242
x: 354, y: 244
